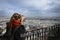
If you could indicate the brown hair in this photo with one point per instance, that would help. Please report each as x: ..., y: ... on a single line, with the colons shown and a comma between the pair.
x: 22, y: 18
x: 10, y: 22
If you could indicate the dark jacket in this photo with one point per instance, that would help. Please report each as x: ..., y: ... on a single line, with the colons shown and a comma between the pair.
x: 15, y: 34
x: 19, y: 33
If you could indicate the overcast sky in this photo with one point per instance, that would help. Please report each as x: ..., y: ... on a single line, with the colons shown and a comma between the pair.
x: 30, y: 8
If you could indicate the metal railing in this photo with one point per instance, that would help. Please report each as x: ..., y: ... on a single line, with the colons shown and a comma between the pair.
x: 41, y: 33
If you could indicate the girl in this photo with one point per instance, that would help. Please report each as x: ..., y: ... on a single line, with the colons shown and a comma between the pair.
x: 15, y: 28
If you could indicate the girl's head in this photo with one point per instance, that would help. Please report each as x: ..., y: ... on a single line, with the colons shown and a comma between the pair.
x: 15, y: 20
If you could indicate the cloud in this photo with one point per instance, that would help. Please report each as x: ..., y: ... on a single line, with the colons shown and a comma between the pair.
x: 43, y: 8
x: 9, y: 9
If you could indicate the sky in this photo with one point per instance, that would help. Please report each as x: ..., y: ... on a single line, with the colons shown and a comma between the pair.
x: 30, y: 8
